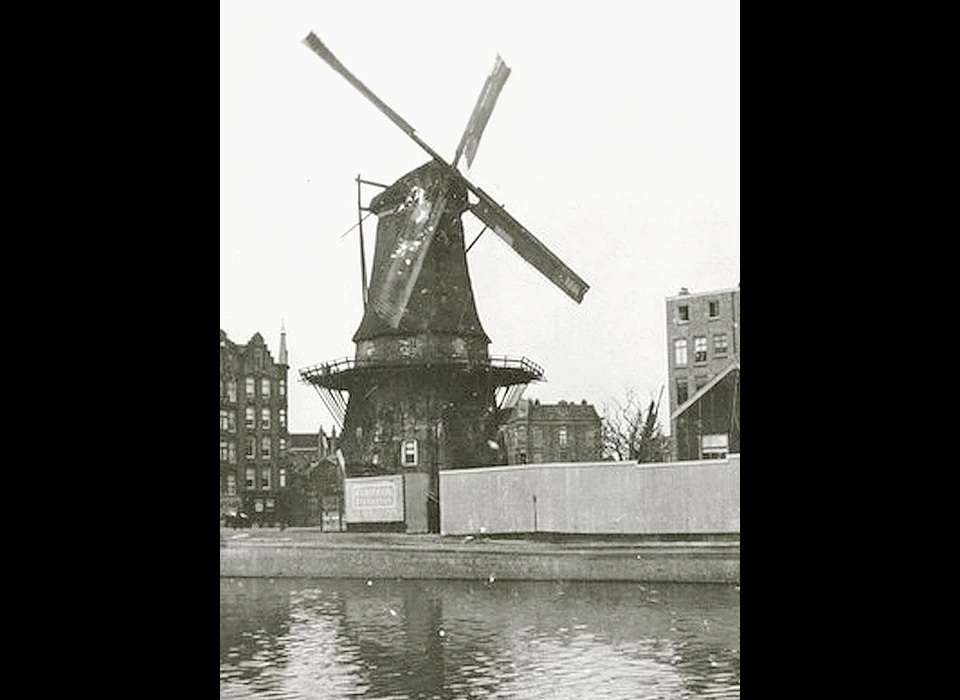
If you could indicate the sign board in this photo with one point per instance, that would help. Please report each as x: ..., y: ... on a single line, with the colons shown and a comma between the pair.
x: 374, y: 499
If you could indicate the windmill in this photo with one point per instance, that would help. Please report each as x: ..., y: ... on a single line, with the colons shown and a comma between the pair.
x: 422, y: 391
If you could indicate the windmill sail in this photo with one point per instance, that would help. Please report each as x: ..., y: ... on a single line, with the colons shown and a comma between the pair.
x: 470, y: 140
x: 528, y: 246
x: 415, y: 222
x: 394, y: 303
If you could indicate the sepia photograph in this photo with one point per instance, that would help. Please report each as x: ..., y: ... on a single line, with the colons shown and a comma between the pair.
x: 479, y: 350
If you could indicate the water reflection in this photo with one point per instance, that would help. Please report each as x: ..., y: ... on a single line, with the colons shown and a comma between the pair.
x: 433, y: 639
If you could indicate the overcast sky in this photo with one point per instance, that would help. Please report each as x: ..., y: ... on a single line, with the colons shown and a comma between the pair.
x: 616, y: 141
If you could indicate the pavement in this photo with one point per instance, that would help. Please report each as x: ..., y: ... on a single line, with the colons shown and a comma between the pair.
x: 316, y: 537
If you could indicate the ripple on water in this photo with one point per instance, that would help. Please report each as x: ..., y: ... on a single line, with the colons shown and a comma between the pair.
x: 344, y: 639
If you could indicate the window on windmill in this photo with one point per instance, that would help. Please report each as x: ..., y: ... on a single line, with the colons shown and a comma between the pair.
x: 683, y: 312
x: 410, y: 452
x: 700, y: 348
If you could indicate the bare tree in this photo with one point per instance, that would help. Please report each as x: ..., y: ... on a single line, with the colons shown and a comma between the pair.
x: 629, y: 433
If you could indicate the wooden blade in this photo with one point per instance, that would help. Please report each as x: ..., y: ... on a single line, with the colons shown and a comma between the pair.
x: 470, y: 140
x: 528, y: 246
x: 318, y: 47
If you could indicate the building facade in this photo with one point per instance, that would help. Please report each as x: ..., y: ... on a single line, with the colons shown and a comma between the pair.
x: 545, y: 433
x: 703, y: 347
x: 314, y: 488
x: 253, y: 428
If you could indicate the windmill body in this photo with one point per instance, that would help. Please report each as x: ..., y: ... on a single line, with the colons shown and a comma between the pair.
x: 422, y: 392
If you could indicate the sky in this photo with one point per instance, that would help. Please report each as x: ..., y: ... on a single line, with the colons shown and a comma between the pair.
x: 616, y: 141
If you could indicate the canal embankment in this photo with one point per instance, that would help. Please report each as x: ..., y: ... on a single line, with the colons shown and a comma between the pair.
x: 311, y: 553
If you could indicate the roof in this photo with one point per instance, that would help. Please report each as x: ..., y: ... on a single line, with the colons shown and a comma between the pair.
x: 560, y: 413
x: 702, y: 391
x: 304, y: 441
x: 711, y: 292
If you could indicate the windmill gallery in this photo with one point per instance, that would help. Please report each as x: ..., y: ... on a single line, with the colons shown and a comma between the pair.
x: 422, y: 392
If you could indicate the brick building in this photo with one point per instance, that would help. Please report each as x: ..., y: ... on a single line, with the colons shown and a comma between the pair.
x: 314, y: 487
x: 563, y: 432
x: 703, y: 346
x: 253, y: 427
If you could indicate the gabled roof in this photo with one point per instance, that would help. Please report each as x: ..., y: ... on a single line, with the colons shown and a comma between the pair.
x: 734, y: 365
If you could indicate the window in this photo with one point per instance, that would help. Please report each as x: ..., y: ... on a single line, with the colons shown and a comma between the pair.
x: 231, y: 484
x: 713, y: 446
x: 250, y: 476
x: 265, y: 478
x: 562, y: 436
x: 265, y: 448
x: 536, y: 433
x: 700, y: 381
x: 410, y: 452
x: 283, y: 478
x: 282, y: 387
x: 700, y: 348
x: 251, y: 447
x: 283, y: 444
x: 683, y: 312
x: 224, y: 419
x: 720, y: 344
x: 283, y: 418
x: 680, y: 351
x: 232, y: 421
x: 248, y: 390
x: 232, y: 451
x: 714, y: 309
x: 265, y: 388
x: 248, y: 418
x: 232, y: 390
x: 265, y: 418
x: 224, y: 451
x: 682, y: 391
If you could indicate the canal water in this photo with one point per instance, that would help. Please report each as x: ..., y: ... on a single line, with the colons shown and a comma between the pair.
x: 323, y: 638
